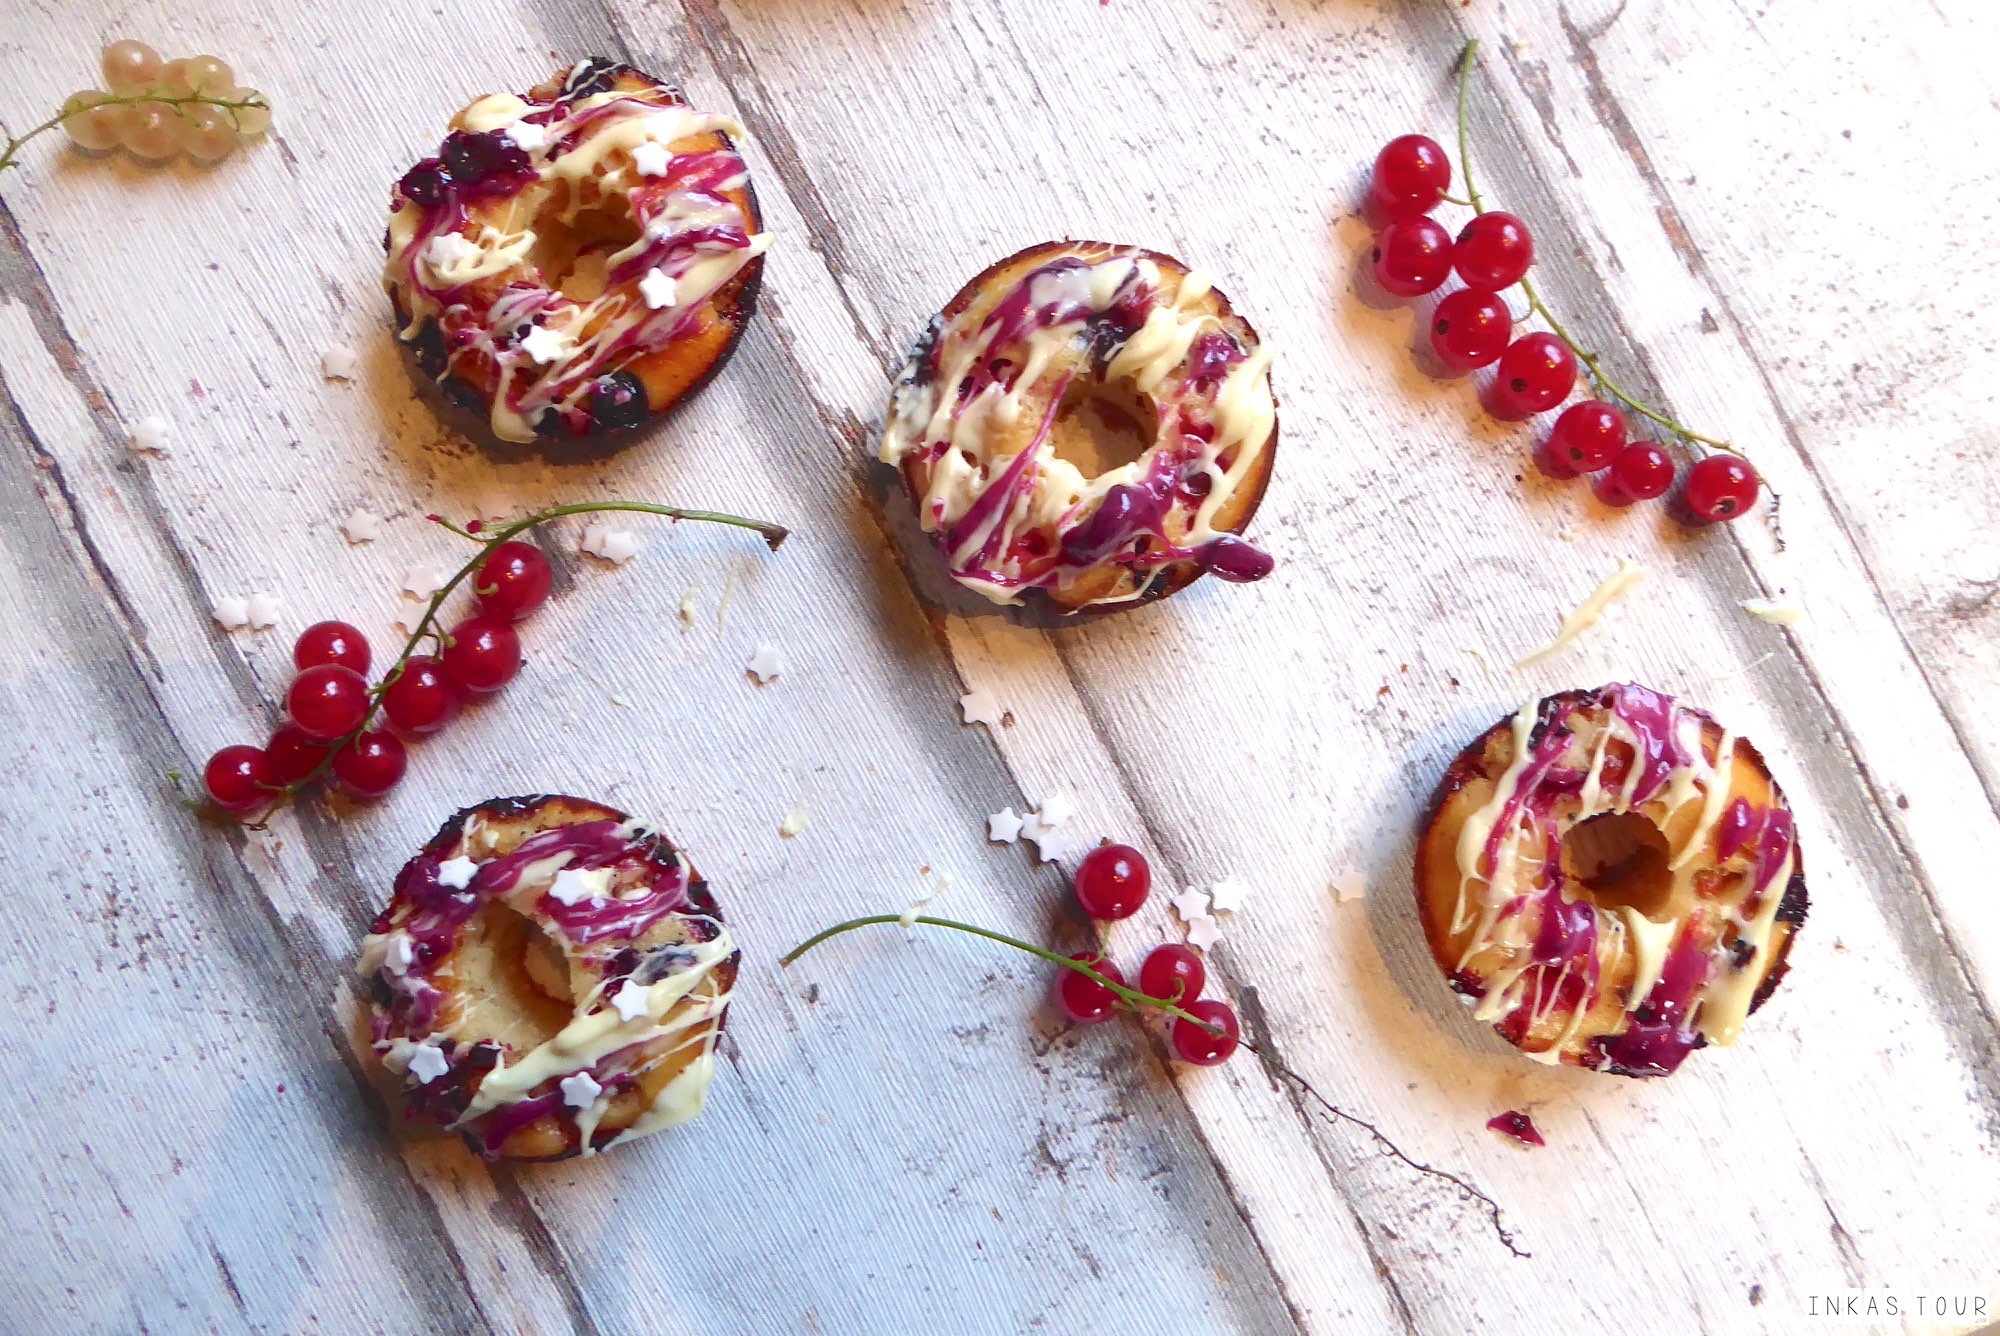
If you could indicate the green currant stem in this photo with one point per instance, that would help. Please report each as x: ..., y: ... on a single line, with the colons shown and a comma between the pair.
x: 10, y: 156
x: 427, y: 628
x: 1132, y: 997
x: 1591, y: 361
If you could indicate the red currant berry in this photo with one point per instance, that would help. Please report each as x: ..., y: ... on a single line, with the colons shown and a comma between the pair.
x: 1493, y: 251
x: 327, y: 701
x: 483, y: 656
x: 420, y: 699
x: 1537, y: 372
x: 1112, y: 881
x: 1172, y: 973
x: 1585, y: 438
x: 1411, y: 175
x: 1194, y: 1044
x: 1412, y: 256
x: 1085, y: 1000
x: 290, y: 755
x: 1470, y: 329
x: 331, y: 642
x: 1639, y: 472
x: 513, y: 581
x: 371, y: 765
x: 233, y: 779
x: 1720, y: 487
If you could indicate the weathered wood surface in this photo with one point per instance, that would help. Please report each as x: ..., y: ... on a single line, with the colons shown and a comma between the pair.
x: 1777, y: 217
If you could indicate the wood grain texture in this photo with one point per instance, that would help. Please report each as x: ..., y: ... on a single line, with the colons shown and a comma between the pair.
x: 1752, y: 208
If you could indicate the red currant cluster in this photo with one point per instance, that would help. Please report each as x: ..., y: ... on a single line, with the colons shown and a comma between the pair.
x: 331, y: 705
x: 1474, y: 327
x: 1112, y: 881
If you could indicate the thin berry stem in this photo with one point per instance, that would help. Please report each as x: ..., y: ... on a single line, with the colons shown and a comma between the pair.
x: 1134, y: 998
x: 11, y: 155
x: 1591, y: 361
x: 428, y: 629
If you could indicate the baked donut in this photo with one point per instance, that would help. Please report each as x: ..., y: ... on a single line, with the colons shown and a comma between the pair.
x: 549, y: 979
x: 1612, y: 879
x: 989, y: 426
x: 578, y: 260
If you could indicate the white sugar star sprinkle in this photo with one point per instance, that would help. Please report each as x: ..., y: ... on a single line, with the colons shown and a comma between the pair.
x: 428, y: 1063
x: 231, y: 614
x: 361, y: 527
x: 1191, y: 904
x: 149, y: 437
x: 579, y: 1091
x: 766, y: 664
x: 527, y: 135
x: 543, y: 344
x: 657, y: 287
x: 1227, y: 896
x: 573, y: 887
x: 1203, y: 932
x: 1050, y: 843
x: 446, y: 252
x: 339, y: 362
x: 651, y: 159
x: 1003, y: 827
x: 455, y: 874
x: 1777, y: 611
x: 631, y: 1000
x: 794, y: 824
x: 1057, y: 809
x: 398, y: 954
x: 422, y: 581
x: 1349, y: 886
x: 979, y: 707
x: 408, y: 616
x: 617, y: 546
x: 260, y: 611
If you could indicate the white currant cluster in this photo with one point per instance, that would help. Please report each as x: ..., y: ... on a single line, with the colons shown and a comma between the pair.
x: 155, y: 109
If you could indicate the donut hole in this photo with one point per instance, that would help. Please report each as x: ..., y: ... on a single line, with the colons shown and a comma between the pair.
x: 1102, y: 425
x: 1619, y: 860
x: 572, y: 249
x: 512, y: 979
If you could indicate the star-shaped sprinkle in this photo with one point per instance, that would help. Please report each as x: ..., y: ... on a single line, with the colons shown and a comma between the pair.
x: 455, y: 874
x: 1057, y: 809
x: 408, y: 616
x: 543, y: 344
x: 1227, y: 896
x: 1050, y: 843
x: 632, y: 1001
x: 231, y: 614
x: 794, y: 824
x: 428, y: 1063
x: 398, y: 954
x: 572, y: 886
x: 651, y: 159
x: 1191, y: 904
x: 1203, y: 932
x: 446, y: 252
x: 1349, y: 886
x: 339, y: 362
x: 527, y: 135
x: 260, y: 611
x: 1003, y: 827
x: 149, y: 437
x: 361, y: 527
x: 766, y: 664
x: 657, y: 287
x: 617, y: 546
x: 579, y: 1091
x: 422, y: 581
x: 979, y: 706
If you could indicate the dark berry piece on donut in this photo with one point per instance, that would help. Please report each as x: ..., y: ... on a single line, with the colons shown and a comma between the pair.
x: 594, y: 247
x: 548, y: 979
